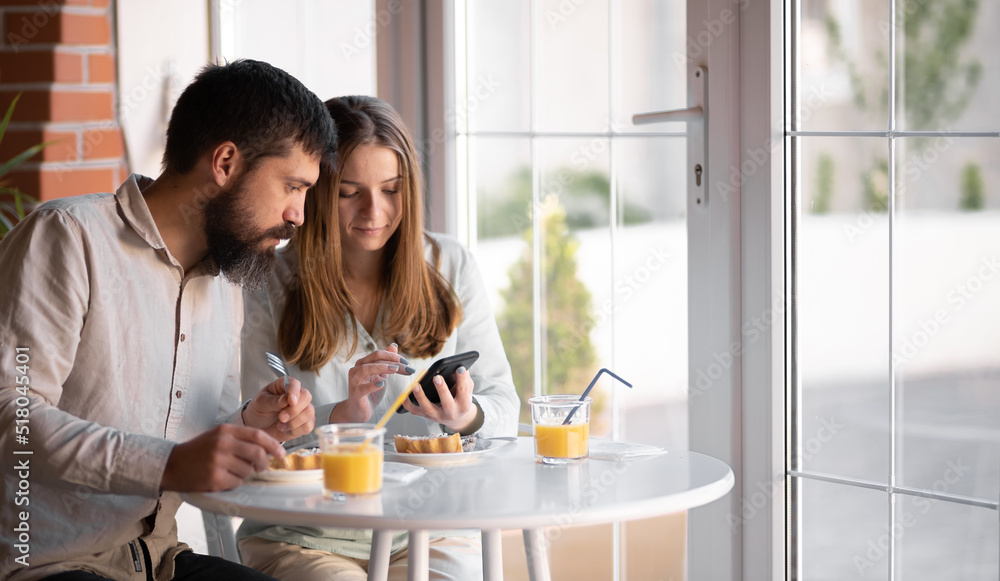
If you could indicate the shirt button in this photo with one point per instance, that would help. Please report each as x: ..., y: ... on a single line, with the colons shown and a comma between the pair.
x: 178, y: 394
x: 371, y: 347
x: 183, y: 336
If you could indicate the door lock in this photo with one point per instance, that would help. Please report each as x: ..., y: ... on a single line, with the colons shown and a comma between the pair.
x: 697, y: 175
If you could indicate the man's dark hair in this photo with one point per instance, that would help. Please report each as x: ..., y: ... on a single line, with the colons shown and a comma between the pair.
x: 259, y: 107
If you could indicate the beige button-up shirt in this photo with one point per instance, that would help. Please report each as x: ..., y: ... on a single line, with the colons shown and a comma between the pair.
x: 109, y: 354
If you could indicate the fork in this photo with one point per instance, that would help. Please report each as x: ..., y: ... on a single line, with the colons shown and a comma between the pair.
x: 277, y: 364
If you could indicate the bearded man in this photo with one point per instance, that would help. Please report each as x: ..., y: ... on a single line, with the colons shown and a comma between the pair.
x: 120, y: 319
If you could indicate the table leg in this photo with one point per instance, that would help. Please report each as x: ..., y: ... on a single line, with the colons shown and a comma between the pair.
x: 418, y: 561
x: 378, y: 564
x: 492, y: 555
x: 538, y: 555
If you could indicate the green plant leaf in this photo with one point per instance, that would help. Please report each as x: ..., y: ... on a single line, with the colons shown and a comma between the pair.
x: 6, y: 118
x: 19, y: 158
x: 11, y: 212
x: 5, y: 223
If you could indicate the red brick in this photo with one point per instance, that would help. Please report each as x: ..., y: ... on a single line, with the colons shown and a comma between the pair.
x: 86, y: 29
x: 36, y: 4
x: 15, y: 141
x: 45, y: 26
x: 45, y: 66
x: 59, y: 105
x: 25, y: 180
x: 32, y: 106
x: 42, y: 24
x: 80, y: 106
x: 101, y: 68
x: 61, y: 182
x: 103, y: 144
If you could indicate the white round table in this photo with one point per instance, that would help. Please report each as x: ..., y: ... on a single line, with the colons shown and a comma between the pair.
x: 505, y: 489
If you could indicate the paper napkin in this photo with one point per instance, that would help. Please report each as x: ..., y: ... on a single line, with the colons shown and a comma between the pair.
x: 609, y: 450
x: 401, y: 473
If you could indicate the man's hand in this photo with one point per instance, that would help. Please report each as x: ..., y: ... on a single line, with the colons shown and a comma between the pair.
x: 284, y: 414
x: 219, y: 459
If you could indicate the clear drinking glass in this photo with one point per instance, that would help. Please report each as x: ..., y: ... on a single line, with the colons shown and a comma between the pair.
x: 352, y: 459
x: 556, y: 441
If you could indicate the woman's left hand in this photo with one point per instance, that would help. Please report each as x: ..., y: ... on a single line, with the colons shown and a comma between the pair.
x: 456, y: 411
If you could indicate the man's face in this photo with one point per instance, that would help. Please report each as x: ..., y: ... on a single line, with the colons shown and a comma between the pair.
x: 260, y: 208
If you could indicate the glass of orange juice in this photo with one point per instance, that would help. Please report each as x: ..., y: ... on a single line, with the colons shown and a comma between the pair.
x: 558, y: 441
x: 352, y: 459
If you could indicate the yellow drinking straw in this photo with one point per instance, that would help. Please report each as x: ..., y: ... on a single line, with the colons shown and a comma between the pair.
x: 395, y: 405
x: 399, y: 401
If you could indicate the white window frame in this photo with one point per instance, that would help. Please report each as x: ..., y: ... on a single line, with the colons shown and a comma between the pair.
x: 415, y: 50
x: 737, y: 254
x: 736, y: 281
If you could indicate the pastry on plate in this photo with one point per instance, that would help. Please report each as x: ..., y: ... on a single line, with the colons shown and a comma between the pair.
x: 304, y: 459
x: 437, y: 444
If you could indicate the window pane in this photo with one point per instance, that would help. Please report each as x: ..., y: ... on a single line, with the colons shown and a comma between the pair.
x: 948, y: 66
x: 560, y: 57
x: 843, y: 532
x: 572, y: 60
x: 843, y: 80
x: 947, y: 299
x: 502, y: 181
x: 501, y: 169
x: 575, y: 213
x: 843, y: 309
x: 499, y: 63
x: 329, y: 45
x: 937, y: 540
x: 650, y: 36
x: 647, y: 298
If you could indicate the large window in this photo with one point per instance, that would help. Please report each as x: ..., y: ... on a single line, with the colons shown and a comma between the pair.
x: 578, y: 217
x: 895, y: 279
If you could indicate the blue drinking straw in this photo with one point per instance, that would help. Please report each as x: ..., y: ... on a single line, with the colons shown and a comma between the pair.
x: 586, y: 392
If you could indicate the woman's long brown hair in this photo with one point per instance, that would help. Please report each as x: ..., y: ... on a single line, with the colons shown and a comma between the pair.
x: 422, y: 309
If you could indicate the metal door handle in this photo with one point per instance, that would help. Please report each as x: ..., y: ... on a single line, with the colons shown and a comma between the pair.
x: 668, y: 116
x: 697, y: 117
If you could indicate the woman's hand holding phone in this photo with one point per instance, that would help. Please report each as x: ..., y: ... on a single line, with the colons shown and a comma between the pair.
x: 366, y: 384
x: 455, y: 410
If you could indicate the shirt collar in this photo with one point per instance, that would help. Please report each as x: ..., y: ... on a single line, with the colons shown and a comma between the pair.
x: 136, y: 214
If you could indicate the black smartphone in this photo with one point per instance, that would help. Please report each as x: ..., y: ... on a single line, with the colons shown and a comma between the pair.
x: 446, y: 368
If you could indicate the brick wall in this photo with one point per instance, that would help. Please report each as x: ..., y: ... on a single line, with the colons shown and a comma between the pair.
x: 60, y: 55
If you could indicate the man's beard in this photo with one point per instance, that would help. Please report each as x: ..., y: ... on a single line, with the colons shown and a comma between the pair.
x: 243, y: 256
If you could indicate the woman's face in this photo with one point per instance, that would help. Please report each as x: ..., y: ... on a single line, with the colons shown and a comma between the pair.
x: 370, y: 203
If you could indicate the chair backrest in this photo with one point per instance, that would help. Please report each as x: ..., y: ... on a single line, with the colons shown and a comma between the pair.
x: 220, y: 536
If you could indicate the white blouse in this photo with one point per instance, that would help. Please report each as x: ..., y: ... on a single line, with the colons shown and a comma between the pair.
x: 494, y: 389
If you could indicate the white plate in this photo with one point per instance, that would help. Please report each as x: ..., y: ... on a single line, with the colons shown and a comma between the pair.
x: 483, y: 446
x: 290, y: 475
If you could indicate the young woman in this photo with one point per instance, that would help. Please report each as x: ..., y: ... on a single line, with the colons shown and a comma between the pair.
x: 361, y: 299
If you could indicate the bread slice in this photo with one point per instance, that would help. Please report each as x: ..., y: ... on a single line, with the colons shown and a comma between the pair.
x: 443, y: 444
x: 304, y: 459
